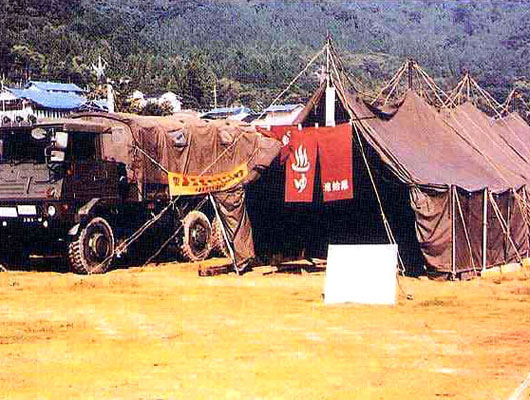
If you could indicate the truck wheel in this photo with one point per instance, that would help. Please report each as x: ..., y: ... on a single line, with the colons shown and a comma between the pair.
x: 197, y: 236
x: 218, y: 239
x: 91, y: 251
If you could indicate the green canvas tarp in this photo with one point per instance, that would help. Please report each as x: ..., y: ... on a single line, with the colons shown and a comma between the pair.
x: 183, y: 143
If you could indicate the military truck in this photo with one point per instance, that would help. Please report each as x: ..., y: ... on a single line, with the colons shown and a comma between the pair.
x: 59, y: 196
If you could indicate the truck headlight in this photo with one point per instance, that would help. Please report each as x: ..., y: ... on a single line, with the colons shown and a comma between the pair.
x: 51, y: 211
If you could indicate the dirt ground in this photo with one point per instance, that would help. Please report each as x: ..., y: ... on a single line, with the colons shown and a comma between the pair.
x: 162, y: 332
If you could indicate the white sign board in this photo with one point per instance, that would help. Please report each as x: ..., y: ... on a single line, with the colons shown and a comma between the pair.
x: 364, y: 274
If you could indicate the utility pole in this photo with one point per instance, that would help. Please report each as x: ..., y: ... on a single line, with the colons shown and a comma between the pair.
x: 215, y: 95
x: 328, y: 43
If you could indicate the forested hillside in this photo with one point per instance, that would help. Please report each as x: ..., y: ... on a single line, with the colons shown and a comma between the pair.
x: 251, y: 49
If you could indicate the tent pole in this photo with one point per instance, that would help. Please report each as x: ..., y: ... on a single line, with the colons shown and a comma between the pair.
x: 468, y: 87
x: 525, y: 208
x: 411, y: 66
x: 386, y: 224
x: 503, y: 224
x: 508, y: 219
x: 466, y: 233
x: 453, y: 228
x: 328, y: 40
x: 484, y: 228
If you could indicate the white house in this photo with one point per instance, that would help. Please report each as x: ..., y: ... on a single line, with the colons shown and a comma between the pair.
x: 12, y: 108
x: 159, y: 98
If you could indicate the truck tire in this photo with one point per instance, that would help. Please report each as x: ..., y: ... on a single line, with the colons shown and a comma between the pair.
x: 91, y: 251
x: 196, y: 241
x: 218, y: 240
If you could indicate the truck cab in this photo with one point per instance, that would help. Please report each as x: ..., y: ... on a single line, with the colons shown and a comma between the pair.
x: 49, y: 173
x: 60, y: 196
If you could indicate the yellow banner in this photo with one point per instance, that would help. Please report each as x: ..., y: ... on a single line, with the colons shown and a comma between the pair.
x: 182, y: 185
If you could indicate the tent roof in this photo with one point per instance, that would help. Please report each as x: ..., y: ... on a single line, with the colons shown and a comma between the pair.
x: 354, y: 103
x: 421, y: 148
x: 520, y: 129
x: 497, y: 143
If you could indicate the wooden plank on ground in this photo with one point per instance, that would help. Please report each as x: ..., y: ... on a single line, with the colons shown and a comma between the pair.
x: 211, y: 270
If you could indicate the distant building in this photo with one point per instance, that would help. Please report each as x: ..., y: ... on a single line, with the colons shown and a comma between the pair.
x: 12, y: 108
x: 40, y: 100
x: 235, y: 113
x: 159, y: 98
x: 283, y: 114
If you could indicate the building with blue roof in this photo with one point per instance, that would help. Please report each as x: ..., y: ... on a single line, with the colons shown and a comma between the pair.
x: 41, y: 100
x: 54, y: 87
x: 281, y: 114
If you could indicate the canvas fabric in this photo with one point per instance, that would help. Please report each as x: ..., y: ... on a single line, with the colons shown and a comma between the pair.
x: 336, y: 161
x: 186, y: 144
x: 281, y: 133
x: 301, y: 166
x: 432, y: 152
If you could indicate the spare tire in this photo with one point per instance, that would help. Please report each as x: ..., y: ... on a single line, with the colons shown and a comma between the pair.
x: 196, y: 241
x: 218, y: 240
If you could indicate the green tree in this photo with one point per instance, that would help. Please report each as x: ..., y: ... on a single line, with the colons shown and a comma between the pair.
x: 200, y: 81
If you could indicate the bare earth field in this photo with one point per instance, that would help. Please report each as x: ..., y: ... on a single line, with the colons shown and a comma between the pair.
x: 163, y: 332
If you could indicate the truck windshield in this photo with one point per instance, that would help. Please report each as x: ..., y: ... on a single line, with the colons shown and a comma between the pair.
x: 22, y: 147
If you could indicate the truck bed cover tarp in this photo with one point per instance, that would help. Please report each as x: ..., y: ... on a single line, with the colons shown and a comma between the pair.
x: 186, y: 144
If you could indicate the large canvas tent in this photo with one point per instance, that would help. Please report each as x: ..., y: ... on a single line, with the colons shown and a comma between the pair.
x: 464, y: 176
x: 465, y: 183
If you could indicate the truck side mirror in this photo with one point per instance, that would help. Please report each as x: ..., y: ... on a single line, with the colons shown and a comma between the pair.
x: 56, y: 152
x: 61, y: 141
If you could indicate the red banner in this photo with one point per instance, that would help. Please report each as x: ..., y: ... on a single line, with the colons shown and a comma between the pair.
x: 336, y: 159
x: 300, y: 167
